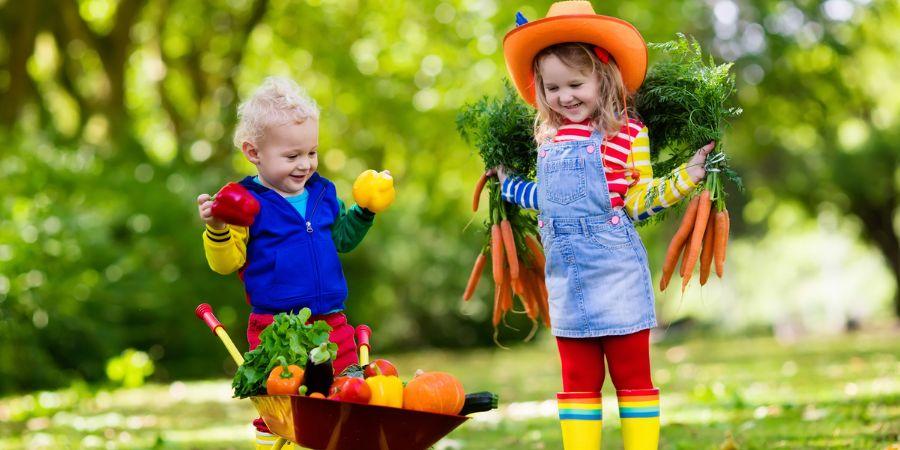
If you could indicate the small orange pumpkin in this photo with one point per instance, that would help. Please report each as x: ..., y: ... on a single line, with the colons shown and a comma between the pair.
x: 436, y: 392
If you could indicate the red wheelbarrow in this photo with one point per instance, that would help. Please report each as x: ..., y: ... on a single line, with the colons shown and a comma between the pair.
x: 325, y: 424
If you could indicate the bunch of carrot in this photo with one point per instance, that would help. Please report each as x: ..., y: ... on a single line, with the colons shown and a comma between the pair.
x: 703, y: 234
x: 517, y: 259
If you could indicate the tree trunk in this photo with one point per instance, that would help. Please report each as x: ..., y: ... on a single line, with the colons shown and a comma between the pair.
x: 22, y: 20
x: 879, y: 229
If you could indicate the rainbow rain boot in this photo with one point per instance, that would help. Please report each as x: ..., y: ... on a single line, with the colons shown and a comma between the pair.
x: 581, y: 419
x: 639, y: 411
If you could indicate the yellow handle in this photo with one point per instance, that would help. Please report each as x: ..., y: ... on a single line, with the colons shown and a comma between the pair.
x: 363, y: 355
x: 235, y: 354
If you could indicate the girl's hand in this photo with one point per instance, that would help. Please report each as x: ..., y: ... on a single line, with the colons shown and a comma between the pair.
x: 696, y: 166
x: 500, y: 171
x: 205, y: 208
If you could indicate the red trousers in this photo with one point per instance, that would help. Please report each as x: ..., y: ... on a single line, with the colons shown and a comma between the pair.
x: 342, y: 333
x: 628, y: 357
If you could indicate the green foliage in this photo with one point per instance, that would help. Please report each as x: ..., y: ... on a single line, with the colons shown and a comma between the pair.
x: 130, y: 369
x: 501, y: 128
x: 109, y: 137
x: 684, y: 102
x: 288, y: 340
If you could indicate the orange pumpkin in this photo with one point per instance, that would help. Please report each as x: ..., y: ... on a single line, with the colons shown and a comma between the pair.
x: 437, y: 392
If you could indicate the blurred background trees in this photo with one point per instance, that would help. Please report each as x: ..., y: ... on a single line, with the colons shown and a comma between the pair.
x: 117, y: 114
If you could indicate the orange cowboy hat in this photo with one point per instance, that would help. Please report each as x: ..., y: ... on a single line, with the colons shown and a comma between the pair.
x: 573, y: 21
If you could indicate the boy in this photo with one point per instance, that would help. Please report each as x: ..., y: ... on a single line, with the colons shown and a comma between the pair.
x: 288, y: 257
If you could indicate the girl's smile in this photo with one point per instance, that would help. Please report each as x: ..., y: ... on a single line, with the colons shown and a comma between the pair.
x: 570, y: 92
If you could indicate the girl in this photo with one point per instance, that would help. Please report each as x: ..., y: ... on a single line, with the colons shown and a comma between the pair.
x: 593, y: 178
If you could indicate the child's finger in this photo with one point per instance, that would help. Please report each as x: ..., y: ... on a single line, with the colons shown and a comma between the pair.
x: 203, y: 198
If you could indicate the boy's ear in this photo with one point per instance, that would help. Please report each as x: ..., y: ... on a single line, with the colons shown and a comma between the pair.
x: 250, y: 152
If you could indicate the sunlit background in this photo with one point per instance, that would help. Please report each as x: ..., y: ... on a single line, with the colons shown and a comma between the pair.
x: 115, y: 115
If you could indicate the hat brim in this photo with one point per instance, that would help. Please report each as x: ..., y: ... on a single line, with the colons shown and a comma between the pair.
x: 621, y: 39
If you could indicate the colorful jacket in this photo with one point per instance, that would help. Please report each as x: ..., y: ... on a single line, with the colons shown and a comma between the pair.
x: 286, y: 261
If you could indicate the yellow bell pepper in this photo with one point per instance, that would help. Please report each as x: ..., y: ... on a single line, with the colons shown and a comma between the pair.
x: 386, y: 391
x: 374, y: 190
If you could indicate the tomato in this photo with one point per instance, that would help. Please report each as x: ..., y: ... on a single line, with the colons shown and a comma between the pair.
x: 347, y: 389
x: 380, y: 367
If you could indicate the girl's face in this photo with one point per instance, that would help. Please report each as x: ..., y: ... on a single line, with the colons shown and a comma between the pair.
x: 570, y: 92
x: 287, y: 156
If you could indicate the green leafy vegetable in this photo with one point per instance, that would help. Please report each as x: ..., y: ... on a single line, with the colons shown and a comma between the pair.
x: 684, y: 102
x: 501, y: 129
x: 288, y: 340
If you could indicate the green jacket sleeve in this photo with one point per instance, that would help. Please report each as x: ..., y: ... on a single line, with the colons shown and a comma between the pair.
x: 351, y: 227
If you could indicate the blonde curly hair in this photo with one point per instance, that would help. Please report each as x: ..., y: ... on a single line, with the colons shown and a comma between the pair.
x: 277, y: 101
x: 609, y: 113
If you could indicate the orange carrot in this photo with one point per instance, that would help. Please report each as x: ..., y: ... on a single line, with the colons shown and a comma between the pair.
x: 684, y: 251
x: 537, y: 251
x: 475, y: 276
x: 696, y: 237
x: 677, y: 242
x: 509, y: 243
x: 496, y: 253
x: 506, y: 292
x: 497, y: 303
x: 723, y: 225
x: 543, y: 305
x: 706, y: 255
x: 478, y: 188
x: 528, y: 295
x: 498, y: 300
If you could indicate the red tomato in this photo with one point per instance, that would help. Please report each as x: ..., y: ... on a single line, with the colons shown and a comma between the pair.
x: 384, y: 367
x: 346, y: 389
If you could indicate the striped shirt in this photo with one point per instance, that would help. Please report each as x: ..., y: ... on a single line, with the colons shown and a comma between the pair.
x: 628, y: 149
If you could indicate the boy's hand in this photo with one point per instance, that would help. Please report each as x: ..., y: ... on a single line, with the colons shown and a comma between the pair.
x: 205, y: 208
x: 696, y: 166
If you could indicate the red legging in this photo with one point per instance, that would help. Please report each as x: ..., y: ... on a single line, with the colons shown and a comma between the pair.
x: 628, y: 357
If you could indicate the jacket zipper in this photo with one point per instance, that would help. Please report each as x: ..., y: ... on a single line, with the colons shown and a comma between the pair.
x: 309, y: 228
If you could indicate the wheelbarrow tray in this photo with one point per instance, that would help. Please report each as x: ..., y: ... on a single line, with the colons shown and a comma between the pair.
x: 324, y: 424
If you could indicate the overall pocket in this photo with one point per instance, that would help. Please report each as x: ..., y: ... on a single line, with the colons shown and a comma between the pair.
x: 565, y: 180
x: 608, y: 236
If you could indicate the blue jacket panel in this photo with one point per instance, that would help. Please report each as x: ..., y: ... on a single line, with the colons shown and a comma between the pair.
x: 292, y: 262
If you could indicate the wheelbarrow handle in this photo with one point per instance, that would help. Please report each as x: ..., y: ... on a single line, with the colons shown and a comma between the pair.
x: 363, y: 333
x: 206, y: 314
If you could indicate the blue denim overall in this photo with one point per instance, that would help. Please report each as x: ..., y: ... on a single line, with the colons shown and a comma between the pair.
x: 597, y: 273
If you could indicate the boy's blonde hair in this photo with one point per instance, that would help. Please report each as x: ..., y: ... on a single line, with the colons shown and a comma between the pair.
x: 277, y: 101
x: 609, y: 115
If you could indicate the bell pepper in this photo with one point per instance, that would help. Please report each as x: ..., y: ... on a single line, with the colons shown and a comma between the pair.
x: 386, y: 391
x: 235, y: 205
x: 374, y: 190
x: 284, y: 380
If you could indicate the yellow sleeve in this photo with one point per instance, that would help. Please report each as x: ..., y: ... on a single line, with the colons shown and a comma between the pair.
x: 668, y: 190
x: 226, y: 250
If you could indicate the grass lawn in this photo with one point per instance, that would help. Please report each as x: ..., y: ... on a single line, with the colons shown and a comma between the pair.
x: 716, y: 393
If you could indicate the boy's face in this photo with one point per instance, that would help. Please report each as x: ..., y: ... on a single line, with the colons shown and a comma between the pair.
x: 570, y: 92
x: 287, y: 156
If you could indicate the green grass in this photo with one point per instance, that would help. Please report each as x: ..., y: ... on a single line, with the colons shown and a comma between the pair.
x: 743, y: 393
